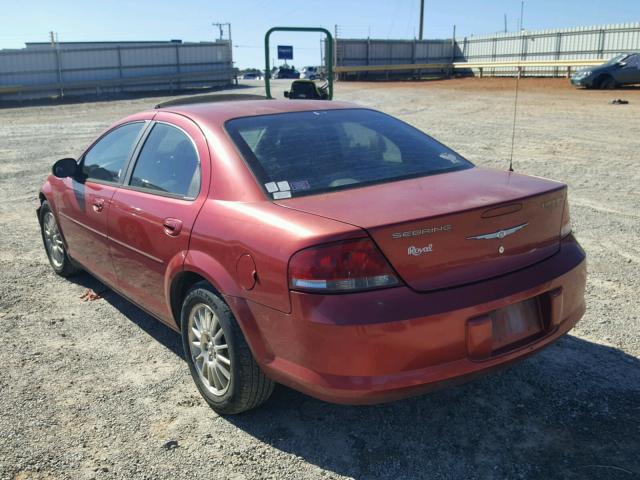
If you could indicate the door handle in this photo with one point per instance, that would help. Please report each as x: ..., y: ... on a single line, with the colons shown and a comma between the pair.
x: 172, y: 226
x: 98, y: 204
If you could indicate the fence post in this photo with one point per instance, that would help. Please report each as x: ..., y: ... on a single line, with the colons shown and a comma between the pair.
x: 558, y: 50
x: 178, y: 69
x: 120, y: 67
x: 368, y: 56
x: 413, y: 55
x: 59, y: 68
x: 493, y: 54
x: 523, y: 48
x: 601, y: 43
x: 453, y: 51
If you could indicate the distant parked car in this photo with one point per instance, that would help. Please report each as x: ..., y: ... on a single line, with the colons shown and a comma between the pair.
x: 287, y: 72
x: 310, y: 73
x: 252, y: 76
x: 307, y: 90
x: 623, y: 69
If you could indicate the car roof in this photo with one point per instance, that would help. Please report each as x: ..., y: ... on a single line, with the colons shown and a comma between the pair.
x: 215, y: 114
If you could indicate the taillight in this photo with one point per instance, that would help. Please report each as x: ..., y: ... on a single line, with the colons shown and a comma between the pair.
x: 565, y: 229
x: 345, y: 266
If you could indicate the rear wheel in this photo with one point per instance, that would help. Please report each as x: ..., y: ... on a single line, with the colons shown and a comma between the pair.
x: 607, y: 83
x: 219, y: 358
x: 53, y: 244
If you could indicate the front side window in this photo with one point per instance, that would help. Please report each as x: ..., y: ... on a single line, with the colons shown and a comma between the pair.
x: 168, y: 163
x: 633, y: 61
x: 107, y: 158
x: 302, y: 153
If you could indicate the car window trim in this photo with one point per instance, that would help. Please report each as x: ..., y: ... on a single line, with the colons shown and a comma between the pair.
x: 125, y: 185
x: 126, y: 163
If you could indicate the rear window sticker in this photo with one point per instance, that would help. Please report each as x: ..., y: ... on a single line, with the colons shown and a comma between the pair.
x: 283, y: 186
x: 271, y: 187
x: 280, y: 195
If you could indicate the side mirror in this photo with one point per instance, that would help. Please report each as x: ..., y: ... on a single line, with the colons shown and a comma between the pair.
x: 286, y: 94
x: 622, y: 64
x: 67, y: 167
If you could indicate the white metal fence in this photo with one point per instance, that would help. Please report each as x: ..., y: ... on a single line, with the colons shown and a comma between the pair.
x: 41, y: 72
x: 578, y: 43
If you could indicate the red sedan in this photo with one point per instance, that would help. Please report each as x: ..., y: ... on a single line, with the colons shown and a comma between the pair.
x: 321, y: 245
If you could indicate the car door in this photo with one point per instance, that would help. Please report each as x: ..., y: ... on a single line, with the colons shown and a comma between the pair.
x: 630, y: 71
x: 83, y: 205
x: 152, y: 214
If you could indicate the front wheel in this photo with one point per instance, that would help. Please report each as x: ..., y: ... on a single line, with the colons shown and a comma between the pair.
x: 53, y: 244
x: 219, y: 358
x: 607, y: 83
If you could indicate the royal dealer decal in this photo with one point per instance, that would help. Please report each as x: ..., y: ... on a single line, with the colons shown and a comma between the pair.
x: 417, y: 251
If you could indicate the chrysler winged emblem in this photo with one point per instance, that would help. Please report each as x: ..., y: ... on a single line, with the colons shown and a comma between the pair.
x: 500, y: 234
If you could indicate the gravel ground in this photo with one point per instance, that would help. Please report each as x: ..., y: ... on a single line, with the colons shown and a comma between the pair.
x: 97, y: 389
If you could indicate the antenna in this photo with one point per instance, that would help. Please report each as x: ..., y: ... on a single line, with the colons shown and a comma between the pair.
x: 515, y: 112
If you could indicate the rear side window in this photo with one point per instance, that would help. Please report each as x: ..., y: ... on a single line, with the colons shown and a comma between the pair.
x: 168, y: 163
x: 302, y: 153
x: 107, y: 158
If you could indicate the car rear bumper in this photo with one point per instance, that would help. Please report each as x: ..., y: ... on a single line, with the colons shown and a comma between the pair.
x: 388, y: 344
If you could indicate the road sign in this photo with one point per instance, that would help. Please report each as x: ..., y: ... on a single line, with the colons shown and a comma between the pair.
x: 285, y: 52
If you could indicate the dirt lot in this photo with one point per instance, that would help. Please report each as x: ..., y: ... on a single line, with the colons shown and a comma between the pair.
x: 95, y: 390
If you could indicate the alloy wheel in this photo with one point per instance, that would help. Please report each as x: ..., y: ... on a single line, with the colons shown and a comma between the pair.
x: 53, y: 240
x: 209, y: 350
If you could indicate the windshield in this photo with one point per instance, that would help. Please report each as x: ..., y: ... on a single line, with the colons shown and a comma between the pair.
x: 618, y: 58
x: 302, y: 153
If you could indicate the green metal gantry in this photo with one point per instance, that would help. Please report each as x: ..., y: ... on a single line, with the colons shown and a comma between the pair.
x: 328, y: 57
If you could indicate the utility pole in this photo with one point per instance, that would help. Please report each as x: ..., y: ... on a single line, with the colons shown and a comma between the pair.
x: 521, y: 15
x: 421, y: 19
x: 221, y: 29
x: 52, y: 36
x: 219, y: 25
x: 505, y: 23
x: 335, y: 45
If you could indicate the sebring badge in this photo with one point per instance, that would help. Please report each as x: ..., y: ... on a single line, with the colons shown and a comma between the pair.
x: 422, y: 231
x: 500, y: 234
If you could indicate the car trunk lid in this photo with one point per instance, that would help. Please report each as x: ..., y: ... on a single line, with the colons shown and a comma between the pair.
x: 451, y: 229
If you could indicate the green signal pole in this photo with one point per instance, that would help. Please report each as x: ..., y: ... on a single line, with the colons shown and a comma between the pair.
x: 328, y: 56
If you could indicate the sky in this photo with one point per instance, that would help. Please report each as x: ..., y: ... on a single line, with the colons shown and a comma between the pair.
x: 190, y: 20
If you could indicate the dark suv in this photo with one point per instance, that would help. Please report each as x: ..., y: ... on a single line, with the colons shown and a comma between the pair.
x: 286, y: 72
x: 623, y: 69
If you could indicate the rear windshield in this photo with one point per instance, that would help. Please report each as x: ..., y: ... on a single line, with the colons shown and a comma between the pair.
x: 303, y: 153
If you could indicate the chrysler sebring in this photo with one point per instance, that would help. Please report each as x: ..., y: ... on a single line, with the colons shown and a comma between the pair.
x: 321, y: 245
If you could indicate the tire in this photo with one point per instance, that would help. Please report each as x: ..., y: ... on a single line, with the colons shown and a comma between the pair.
x: 607, y: 83
x: 225, y: 373
x: 53, y: 244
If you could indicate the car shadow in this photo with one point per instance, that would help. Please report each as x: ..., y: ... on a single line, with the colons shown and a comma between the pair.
x: 570, y: 412
x: 159, y: 331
